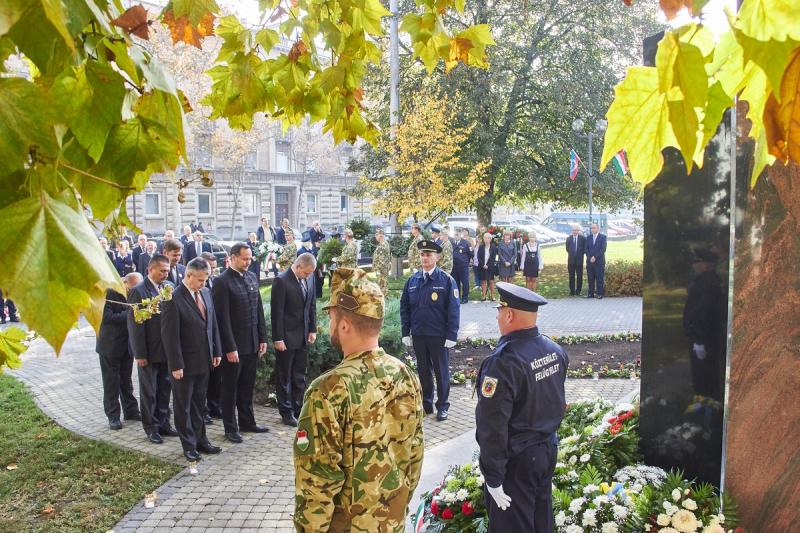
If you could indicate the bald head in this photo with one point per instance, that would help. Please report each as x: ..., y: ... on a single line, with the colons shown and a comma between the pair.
x: 131, y: 280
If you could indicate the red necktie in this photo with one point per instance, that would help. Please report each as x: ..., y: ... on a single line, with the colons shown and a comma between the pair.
x: 200, y: 304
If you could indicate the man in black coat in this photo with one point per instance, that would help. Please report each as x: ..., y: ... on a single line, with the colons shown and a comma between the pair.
x: 280, y: 234
x: 293, y: 312
x: 316, y: 235
x: 192, y: 344
x: 174, y: 250
x: 148, y: 350
x: 195, y: 248
x: 213, y: 407
x: 186, y: 238
x: 12, y: 309
x: 240, y: 315
x: 138, y: 249
x: 576, y: 247
x: 144, y: 259
x: 116, y: 360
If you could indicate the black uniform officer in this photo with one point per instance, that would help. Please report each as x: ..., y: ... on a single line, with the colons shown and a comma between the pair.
x: 430, y: 311
x: 462, y: 259
x: 520, y: 406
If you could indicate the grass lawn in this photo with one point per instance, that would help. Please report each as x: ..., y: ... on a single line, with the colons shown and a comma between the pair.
x: 630, y: 250
x: 54, y: 480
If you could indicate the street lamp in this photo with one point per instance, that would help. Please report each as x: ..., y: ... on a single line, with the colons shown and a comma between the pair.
x: 600, y: 127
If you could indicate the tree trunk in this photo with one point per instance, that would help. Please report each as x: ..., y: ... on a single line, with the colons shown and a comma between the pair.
x: 237, y: 187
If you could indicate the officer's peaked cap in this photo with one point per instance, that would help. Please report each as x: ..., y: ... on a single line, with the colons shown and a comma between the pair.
x: 517, y: 297
x: 429, y: 246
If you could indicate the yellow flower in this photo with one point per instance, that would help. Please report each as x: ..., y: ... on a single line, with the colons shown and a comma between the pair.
x: 662, y: 520
x: 690, y: 504
x: 714, y: 528
x: 684, y: 521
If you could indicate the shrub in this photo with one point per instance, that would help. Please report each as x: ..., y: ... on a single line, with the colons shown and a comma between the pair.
x: 368, y: 245
x: 328, y: 250
x: 359, y: 227
x: 623, y: 278
x: 399, y: 245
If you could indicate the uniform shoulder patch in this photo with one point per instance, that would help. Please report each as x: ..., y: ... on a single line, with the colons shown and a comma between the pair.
x: 301, y: 440
x: 488, y: 387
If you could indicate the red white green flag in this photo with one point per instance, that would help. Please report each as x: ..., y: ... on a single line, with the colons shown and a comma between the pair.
x: 620, y: 162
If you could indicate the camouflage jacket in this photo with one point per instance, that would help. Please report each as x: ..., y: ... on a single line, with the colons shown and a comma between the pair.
x: 413, y: 253
x: 382, y: 258
x: 358, y: 447
x: 446, y: 259
x: 287, y: 256
x: 349, y: 256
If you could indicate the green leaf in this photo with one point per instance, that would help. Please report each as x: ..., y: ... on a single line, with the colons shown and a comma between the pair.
x: 235, y: 37
x: 25, y: 122
x: 123, y: 59
x: 11, y: 347
x: 68, y: 274
x: 638, y: 96
x: 767, y: 20
x: 718, y: 102
x: 267, y: 38
x: 194, y: 9
x: 89, y: 98
x: 771, y: 56
x: 153, y: 71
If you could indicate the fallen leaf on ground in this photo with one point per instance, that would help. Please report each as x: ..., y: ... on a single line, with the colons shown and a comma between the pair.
x: 12, y: 466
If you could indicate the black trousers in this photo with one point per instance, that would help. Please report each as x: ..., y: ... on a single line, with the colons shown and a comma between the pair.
x: 188, y: 399
x: 12, y: 309
x: 213, y: 392
x: 528, y: 483
x: 433, y: 360
x: 594, y: 275
x: 290, y: 380
x: 154, y: 389
x: 238, y: 381
x: 575, y: 277
x: 116, y: 371
x: 461, y: 276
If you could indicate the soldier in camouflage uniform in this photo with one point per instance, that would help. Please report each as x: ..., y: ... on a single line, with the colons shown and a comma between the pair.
x: 358, y: 447
x: 349, y: 256
x: 382, y: 261
x: 446, y: 257
x: 289, y: 253
x: 413, y: 253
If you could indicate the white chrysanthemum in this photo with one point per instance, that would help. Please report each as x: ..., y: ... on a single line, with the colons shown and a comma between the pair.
x: 690, y: 504
x: 576, y: 505
x: 668, y: 530
x: 714, y: 528
x: 721, y: 518
x: 676, y: 494
x: 462, y: 494
x: 561, y: 518
x: 620, y: 512
x: 574, y: 529
x: 684, y: 521
x: 610, y: 527
x: 480, y: 480
x: 662, y: 520
x: 585, y: 458
x: 573, y: 459
x: 560, y: 465
x: 598, y: 501
x: 588, y: 489
x: 686, y: 492
x: 590, y: 517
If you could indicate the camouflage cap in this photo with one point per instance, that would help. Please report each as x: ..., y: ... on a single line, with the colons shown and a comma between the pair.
x: 354, y: 292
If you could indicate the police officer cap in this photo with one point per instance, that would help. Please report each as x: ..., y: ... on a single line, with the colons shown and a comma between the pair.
x: 517, y: 297
x: 429, y: 246
x: 354, y: 292
x: 436, y: 229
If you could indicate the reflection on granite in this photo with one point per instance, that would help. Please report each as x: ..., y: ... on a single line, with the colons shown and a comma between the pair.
x: 763, y: 441
x: 684, y: 313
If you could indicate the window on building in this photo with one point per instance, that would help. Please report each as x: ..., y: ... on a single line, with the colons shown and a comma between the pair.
x: 250, y: 160
x: 152, y: 204
x: 343, y: 203
x: 311, y: 203
x: 282, y: 157
x: 203, y: 203
x: 250, y: 203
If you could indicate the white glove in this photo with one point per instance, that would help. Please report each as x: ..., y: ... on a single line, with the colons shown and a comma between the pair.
x: 449, y: 344
x: 407, y: 341
x: 699, y: 350
x: 500, y: 497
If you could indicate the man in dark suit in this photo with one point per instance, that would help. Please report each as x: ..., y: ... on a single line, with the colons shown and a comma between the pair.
x: 192, y: 344
x: 174, y: 250
x: 144, y: 258
x: 293, y: 312
x: 576, y: 248
x: 148, y: 350
x: 315, y: 235
x: 186, y: 238
x: 12, y: 310
x: 116, y: 360
x: 213, y: 407
x: 195, y: 248
x: 240, y: 315
x: 168, y: 235
x: 596, y: 264
x: 280, y: 234
x: 138, y: 249
x: 265, y: 232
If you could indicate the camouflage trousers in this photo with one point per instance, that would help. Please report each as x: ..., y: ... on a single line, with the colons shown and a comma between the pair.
x: 383, y: 283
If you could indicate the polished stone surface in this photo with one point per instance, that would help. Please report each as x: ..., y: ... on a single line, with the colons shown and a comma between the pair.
x: 684, y: 313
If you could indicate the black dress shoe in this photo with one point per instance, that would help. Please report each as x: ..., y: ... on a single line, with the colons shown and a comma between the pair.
x: 14, y: 319
x: 254, y: 429
x: 155, y: 438
x: 192, y: 455
x: 135, y: 416
x: 2, y: 320
x: 207, y: 447
x: 234, y: 437
x: 115, y: 424
x: 169, y: 431
x: 428, y: 410
x: 441, y: 415
x: 290, y: 421
x: 207, y: 419
x: 589, y: 296
x: 215, y: 414
x: 599, y: 297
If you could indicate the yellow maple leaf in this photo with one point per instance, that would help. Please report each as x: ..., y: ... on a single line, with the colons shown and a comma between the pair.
x: 782, y: 119
x: 182, y: 30
x: 765, y: 20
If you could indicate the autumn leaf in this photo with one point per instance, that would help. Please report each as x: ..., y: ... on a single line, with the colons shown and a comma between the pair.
x: 134, y: 22
x: 671, y: 8
x: 299, y: 48
x: 182, y: 30
x: 766, y: 20
x: 459, y: 51
x: 48, y: 509
x: 782, y: 119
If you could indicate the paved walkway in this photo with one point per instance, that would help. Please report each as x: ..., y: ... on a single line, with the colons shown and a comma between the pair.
x: 564, y: 316
x: 250, y: 486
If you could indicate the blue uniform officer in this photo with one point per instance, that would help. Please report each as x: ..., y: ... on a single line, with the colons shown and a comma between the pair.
x: 430, y: 313
x: 462, y: 259
x: 520, y: 406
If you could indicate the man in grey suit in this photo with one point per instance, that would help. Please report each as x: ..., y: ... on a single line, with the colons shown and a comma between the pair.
x: 293, y: 312
x: 192, y: 344
x: 148, y: 350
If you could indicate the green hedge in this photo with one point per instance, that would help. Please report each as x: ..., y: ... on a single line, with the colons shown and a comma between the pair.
x: 322, y: 356
x: 624, y: 278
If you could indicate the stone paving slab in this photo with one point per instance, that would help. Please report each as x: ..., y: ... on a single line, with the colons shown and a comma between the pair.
x: 564, y: 316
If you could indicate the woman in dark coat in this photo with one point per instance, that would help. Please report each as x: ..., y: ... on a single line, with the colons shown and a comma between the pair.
x: 487, y: 261
x: 507, y: 260
x: 123, y: 260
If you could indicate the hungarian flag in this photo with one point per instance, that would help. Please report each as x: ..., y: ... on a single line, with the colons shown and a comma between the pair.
x: 574, y: 160
x: 419, y: 522
x: 620, y: 163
